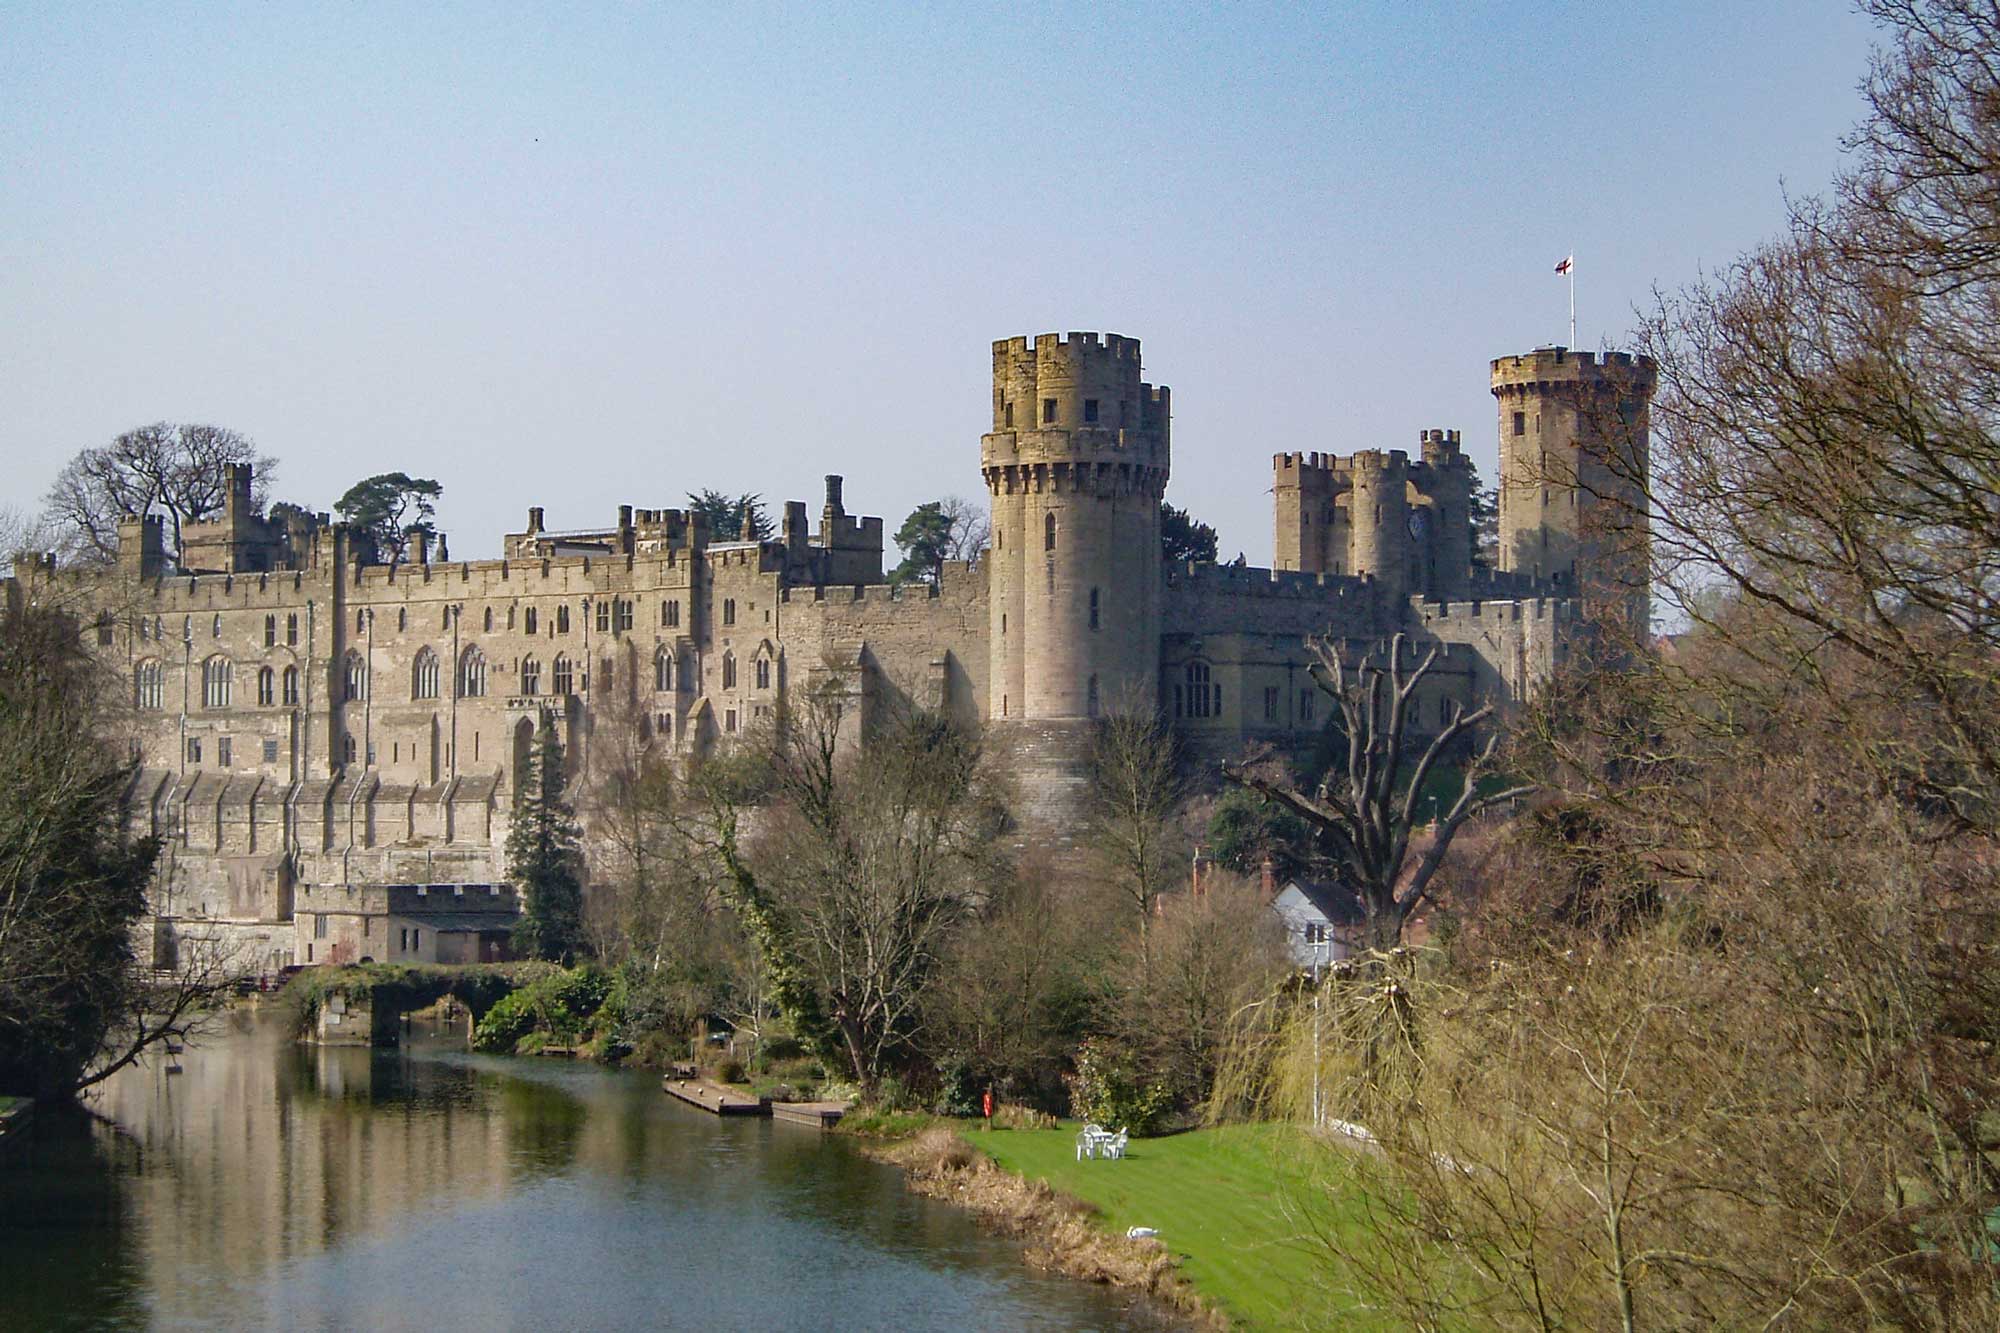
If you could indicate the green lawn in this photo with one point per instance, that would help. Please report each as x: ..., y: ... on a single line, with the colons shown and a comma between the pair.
x: 1224, y: 1200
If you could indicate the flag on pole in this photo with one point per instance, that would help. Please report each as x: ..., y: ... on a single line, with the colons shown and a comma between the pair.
x: 1566, y: 263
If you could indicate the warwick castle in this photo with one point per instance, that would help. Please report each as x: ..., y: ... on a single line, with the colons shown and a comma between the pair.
x: 329, y: 744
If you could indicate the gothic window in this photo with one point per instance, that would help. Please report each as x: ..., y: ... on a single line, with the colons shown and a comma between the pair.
x: 360, y: 621
x: 158, y: 628
x: 562, y: 619
x: 729, y: 671
x: 604, y: 673
x: 729, y: 610
x: 270, y: 631
x: 472, y: 673
x: 1048, y: 532
x: 348, y: 752
x: 666, y: 726
x: 1093, y: 608
x: 291, y: 686
x: 670, y: 613
x: 603, y: 616
x: 145, y: 628
x: 1008, y: 414
x: 424, y: 676
x: 402, y: 618
x: 444, y: 618
x: 146, y: 684
x: 510, y: 617
x: 354, y: 677
x: 267, y: 683
x: 216, y: 675
x: 763, y: 673
x: 663, y: 671
x: 531, y: 676
x: 1306, y: 703
x: 215, y: 628
x: 621, y: 615
x: 292, y: 629
x: 194, y: 750
x: 561, y: 677
x: 486, y: 620
x: 1203, y: 698
x: 528, y: 619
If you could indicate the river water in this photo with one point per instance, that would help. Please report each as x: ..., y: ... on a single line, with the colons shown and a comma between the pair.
x: 272, y: 1185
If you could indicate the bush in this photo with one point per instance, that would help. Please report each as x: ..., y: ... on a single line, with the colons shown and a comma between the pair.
x: 959, y: 1087
x: 560, y: 1009
x: 938, y: 1150
x: 1106, y: 1091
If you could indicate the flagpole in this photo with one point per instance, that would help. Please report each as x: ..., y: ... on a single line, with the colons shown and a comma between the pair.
x: 1572, y: 298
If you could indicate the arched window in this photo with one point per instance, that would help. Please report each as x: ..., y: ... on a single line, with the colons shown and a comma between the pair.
x: 291, y: 686
x: 729, y: 671
x: 528, y: 619
x: 562, y: 679
x: 763, y: 672
x: 1196, y: 695
x: 604, y: 673
x: 531, y: 676
x: 562, y: 618
x: 487, y: 621
x: 216, y: 675
x: 267, y: 682
x: 215, y: 629
x: 663, y: 671
x: 472, y: 673
x: 1048, y: 532
x: 146, y: 684
x: 347, y: 748
x: 424, y: 676
x: 354, y: 677
x: 402, y: 619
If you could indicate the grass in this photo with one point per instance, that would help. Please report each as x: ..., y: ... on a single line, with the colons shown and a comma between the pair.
x: 1217, y: 1196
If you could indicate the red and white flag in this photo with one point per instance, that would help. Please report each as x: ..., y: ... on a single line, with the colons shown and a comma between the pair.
x: 1566, y: 263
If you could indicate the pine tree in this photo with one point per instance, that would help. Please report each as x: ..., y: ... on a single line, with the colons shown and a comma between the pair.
x: 544, y: 855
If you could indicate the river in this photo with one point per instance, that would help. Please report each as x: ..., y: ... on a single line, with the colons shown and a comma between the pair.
x: 272, y: 1185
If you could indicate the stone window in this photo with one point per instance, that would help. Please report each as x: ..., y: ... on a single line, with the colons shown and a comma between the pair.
x: 1093, y: 608
x: 270, y: 752
x: 348, y: 752
x: 194, y: 750
x: 603, y: 615
x: 146, y: 684
x: 158, y: 628
x: 472, y: 673
x: 291, y: 686
x: 222, y: 753
x: 1520, y: 423
x: 216, y: 676
x: 354, y: 676
x: 528, y: 619
x: 1007, y: 414
x: 1308, y: 700
x: 667, y: 726
x: 402, y: 618
x: 1270, y: 703
x: 1048, y: 411
x: 604, y: 673
x: 1204, y: 698
x: 360, y: 621
x: 561, y: 676
x: 1048, y: 532
x: 729, y: 610
x: 663, y: 671
x: 444, y: 618
x: 763, y: 673
x: 729, y: 719
x: 562, y: 619
x: 1090, y: 411
x: 270, y: 631
x: 670, y: 613
x: 486, y: 620
x: 145, y: 628
x: 267, y: 687
x: 531, y: 676
x: 215, y: 628
x: 729, y: 671
x: 424, y: 676
x: 1090, y: 703
x: 1003, y: 622
x: 292, y: 629
x: 621, y: 616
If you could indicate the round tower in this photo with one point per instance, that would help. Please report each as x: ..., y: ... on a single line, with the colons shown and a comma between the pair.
x: 1573, y: 465
x: 1446, y: 545
x: 1378, y: 520
x: 1076, y: 465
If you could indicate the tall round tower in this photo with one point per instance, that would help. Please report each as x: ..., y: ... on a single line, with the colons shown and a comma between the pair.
x: 1573, y: 463
x: 1076, y: 465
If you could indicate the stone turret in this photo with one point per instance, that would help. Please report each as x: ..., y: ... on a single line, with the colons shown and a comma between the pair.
x: 1574, y: 452
x: 1379, y: 515
x: 1445, y: 547
x: 1076, y: 464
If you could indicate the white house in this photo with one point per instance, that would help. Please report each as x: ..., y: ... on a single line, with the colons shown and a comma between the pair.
x: 1322, y: 920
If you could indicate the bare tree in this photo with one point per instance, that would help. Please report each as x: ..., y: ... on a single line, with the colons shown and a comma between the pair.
x: 1364, y: 814
x: 1135, y: 790
x: 164, y: 468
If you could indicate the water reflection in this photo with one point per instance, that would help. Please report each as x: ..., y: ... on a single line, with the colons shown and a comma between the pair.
x: 273, y: 1184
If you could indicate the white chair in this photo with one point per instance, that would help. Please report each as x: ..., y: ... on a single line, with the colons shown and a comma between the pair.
x: 1113, y: 1145
x: 1087, y: 1141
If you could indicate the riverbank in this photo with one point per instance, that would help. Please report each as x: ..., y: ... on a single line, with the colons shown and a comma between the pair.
x: 1234, y: 1244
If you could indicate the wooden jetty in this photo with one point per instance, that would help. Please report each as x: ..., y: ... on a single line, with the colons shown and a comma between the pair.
x: 718, y: 1100
x: 820, y: 1115
x: 714, y: 1097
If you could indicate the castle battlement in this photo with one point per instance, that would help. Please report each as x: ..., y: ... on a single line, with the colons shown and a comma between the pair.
x: 1562, y: 364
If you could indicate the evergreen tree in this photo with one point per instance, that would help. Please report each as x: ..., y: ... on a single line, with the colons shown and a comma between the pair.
x: 544, y: 855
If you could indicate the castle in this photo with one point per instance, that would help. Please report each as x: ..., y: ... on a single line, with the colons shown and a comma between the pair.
x: 322, y: 736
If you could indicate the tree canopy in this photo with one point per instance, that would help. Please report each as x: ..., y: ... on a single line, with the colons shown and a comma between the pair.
x: 174, y: 470
x: 731, y: 518
x: 1185, y: 538
x: 544, y: 854
x: 390, y: 508
x: 937, y: 531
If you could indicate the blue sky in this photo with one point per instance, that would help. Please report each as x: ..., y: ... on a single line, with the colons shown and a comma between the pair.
x: 583, y: 255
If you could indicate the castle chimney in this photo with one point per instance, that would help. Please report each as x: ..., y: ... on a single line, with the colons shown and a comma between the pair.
x: 833, y: 493
x: 534, y: 518
x: 443, y: 554
x: 420, y: 538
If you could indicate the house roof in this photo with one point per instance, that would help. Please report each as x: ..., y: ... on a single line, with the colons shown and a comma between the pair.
x: 1333, y: 900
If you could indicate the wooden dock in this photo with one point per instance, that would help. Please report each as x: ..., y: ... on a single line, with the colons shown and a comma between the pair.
x: 714, y: 1097
x: 718, y: 1100
x: 820, y: 1115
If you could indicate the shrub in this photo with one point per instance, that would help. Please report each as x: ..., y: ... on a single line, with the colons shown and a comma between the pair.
x: 938, y: 1150
x: 1106, y: 1090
